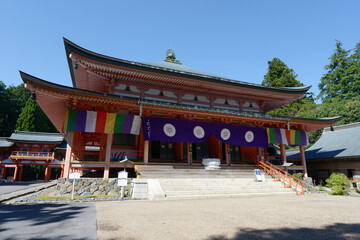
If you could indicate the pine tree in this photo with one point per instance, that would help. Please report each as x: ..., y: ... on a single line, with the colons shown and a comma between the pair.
x: 33, y: 119
x: 336, y: 82
x: 280, y: 75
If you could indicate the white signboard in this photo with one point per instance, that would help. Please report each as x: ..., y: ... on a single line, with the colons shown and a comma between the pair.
x: 74, y: 175
x: 122, y: 182
x: 122, y: 174
x: 258, y: 175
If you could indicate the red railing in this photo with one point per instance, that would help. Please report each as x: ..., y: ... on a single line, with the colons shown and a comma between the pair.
x: 276, y: 160
x: 33, y: 154
x: 116, y: 155
x: 280, y: 175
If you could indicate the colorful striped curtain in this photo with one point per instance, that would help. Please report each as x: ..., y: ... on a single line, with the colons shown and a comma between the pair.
x: 290, y: 137
x: 101, y: 122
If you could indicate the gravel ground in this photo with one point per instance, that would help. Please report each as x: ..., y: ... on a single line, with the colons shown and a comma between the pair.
x: 313, y: 216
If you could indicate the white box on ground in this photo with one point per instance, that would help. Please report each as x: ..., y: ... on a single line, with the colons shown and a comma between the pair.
x: 258, y: 175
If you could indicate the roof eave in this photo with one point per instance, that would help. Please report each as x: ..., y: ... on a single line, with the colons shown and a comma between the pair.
x: 72, y: 47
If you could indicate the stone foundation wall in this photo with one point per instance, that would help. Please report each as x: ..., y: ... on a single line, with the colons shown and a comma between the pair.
x: 91, y: 186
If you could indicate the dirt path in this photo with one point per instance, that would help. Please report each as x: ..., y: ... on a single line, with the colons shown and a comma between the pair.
x: 275, y: 217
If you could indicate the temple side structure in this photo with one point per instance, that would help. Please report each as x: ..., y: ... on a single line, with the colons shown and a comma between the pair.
x: 24, y: 148
x: 164, y: 113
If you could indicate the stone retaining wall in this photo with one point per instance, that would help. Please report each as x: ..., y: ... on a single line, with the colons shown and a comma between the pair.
x: 91, y: 186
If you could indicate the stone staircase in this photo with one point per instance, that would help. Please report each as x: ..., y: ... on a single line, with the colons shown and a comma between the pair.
x: 161, y: 171
x: 220, y: 187
x: 187, y: 182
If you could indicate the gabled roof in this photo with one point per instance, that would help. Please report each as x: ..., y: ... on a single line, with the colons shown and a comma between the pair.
x: 4, y: 143
x: 36, y: 137
x: 170, y: 69
x: 342, y: 142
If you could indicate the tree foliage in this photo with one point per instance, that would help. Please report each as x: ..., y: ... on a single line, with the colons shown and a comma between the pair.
x: 342, y: 79
x: 337, y: 182
x: 12, y: 101
x: 348, y: 109
x: 33, y: 119
x: 280, y: 75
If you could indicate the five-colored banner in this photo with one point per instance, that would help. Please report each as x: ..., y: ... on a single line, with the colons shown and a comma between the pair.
x: 101, y: 122
x: 179, y: 130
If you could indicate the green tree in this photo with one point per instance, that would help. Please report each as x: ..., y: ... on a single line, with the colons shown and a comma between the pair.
x: 280, y: 75
x: 3, y: 110
x: 33, y: 119
x: 348, y: 109
x: 12, y: 101
x: 342, y: 78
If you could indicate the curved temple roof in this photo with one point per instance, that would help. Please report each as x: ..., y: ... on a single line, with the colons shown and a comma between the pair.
x: 35, y: 137
x: 170, y: 69
x: 312, y: 124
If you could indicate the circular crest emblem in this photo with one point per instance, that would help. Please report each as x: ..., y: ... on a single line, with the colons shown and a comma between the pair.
x: 199, y: 132
x: 225, y: 134
x: 249, y: 136
x: 169, y: 130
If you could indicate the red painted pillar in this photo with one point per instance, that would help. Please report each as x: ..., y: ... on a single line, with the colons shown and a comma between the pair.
x: 303, y: 161
x: 46, y: 173
x: 4, y: 175
x: 16, y: 173
x: 109, y: 141
x: 283, y: 153
x: 62, y: 171
x: 21, y: 171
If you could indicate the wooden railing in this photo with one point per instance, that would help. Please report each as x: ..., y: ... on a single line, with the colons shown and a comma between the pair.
x: 276, y: 160
x: 116, y: 155
x: 280, y: 175
x: 33, y: 154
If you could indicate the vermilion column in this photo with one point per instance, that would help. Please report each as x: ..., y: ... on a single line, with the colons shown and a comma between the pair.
x: 303, y: 160
x: 16, y: 172
x: 146, y: 152
x: 46, y: 178
x: 69, y: 139
x: 4, y: 175
x: 283, y: 153
x: 108, y: 155
x: 21, y: 171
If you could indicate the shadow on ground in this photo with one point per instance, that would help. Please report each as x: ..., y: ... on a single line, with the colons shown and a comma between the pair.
x: 34, y: 219
x: 335, y: 231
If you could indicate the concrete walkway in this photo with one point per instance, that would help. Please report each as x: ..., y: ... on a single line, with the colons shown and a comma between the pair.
x: 316, y: 216
x: 48, y: 221
x: 16, y: 189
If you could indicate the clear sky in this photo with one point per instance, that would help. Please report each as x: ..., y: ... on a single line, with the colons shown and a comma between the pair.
x: 233, y: 39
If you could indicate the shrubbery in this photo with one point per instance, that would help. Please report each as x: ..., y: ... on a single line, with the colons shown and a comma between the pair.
x: 337, y: 182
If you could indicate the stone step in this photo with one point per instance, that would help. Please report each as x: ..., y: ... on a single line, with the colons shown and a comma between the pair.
x: 184, y: 197
x: 209, y: 192
x: 179, y: 188
x: 215, y: 182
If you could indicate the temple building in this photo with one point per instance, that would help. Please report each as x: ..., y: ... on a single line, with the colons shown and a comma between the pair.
x: 337, y: 150
x: 164, y: 113
x: 24, y: 148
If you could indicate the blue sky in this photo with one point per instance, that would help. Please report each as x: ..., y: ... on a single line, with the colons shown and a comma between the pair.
x: 234, y: 39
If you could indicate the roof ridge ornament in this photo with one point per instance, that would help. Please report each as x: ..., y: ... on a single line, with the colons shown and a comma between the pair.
x: 170, y: 57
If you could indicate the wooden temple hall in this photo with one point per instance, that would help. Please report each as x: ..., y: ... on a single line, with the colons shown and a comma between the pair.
x: 165, y: 113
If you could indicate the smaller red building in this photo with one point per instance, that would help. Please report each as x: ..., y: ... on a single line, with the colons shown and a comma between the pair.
x: 29, y: 148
